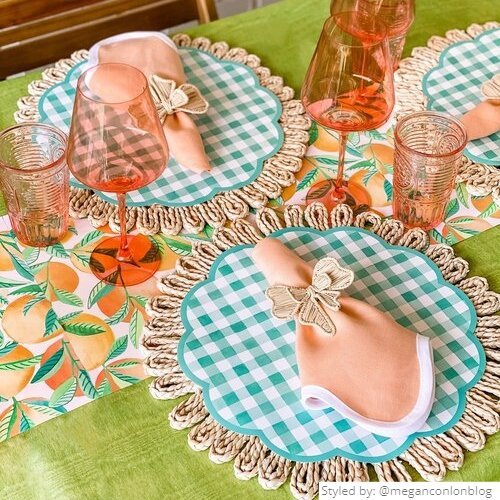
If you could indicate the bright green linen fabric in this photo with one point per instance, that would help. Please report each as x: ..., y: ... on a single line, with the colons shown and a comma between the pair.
x: 122, y: 446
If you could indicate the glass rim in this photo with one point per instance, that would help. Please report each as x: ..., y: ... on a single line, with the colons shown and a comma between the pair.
x: 398, y: 141
x: 100, y: 65
x: 49, y: 128
x: 384, y: 36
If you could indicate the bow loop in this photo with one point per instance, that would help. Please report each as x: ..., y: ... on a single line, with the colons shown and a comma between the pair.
x: 307, y: 305
x: 169, y: 98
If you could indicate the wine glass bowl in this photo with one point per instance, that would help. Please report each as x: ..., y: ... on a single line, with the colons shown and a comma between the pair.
x: 397, y: 15
x: 349, y: 83
x: 117, y: 144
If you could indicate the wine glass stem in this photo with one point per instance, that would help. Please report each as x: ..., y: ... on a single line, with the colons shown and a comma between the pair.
x: 124, y: 251
x: 339, y: 182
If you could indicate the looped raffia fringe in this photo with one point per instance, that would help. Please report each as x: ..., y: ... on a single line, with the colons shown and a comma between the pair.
x: 431, y: 456
x: 278, y: 172
x: 480, y: 179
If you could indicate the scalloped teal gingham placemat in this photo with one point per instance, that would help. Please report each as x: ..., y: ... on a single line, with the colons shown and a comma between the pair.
x: 244, y: 358
x: 240, y: 130
x: 454, y: 86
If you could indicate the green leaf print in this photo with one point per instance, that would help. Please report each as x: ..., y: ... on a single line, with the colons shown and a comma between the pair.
x: 436, y: 236
x: 104, y: 388
x: 26, y: 423
x: 83, y: 329
x: 178, y: 246
x: 30, y: 255
x: 10, y: 283
x: 68, y: 298
x: 313, y: 133
x: 90, y: 238
x: 20, y: 364
x: 128, y: 379
x: 118, y: 348
x: 44, y: 408
x: 28, y: 289
x: 120, y: 314
x: 7, y: 422
x: 388, y: 189
x: 7, y: 348
x: 64, y: 393
x: 21, y: 267
x: 32, y: 302
x: 86, y: 385
x: 325, y: 160
x: 51, y: 323
x: 462, y: 194
x: 136, y: 326
x: 57, y: 250
x: 50, y: 367
x: 451, y: 209
x: 98, y: 292
x: 489, y: 210
x: 308, y: 179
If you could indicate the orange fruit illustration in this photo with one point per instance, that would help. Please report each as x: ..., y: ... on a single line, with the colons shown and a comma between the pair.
x: 60, y: 276
x: 5, y: 261
x: 462, y: 227
x: 483, y: 203
x: 136, y: 370
x: 14, y: 381
x: 64, y: 372
x: 326, y: 141
x: 27, y: 328
x: 110, y: 303
x: 84, y: 251
x: 383, y: 155
x: 91, y: 350
x: 374, y: 186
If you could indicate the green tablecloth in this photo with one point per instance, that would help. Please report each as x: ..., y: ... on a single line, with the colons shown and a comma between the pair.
x: 122, y: 446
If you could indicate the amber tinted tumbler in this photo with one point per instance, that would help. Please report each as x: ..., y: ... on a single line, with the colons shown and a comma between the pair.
x: 428, y: 150
x: 34, y: 179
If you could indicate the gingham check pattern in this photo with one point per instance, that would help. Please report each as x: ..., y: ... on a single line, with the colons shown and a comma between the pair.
x: 245, y: 361
x: 454, y: 86
x: 240, y: 130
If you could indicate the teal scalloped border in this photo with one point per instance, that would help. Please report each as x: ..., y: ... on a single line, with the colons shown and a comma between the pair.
x: 430, y: 101
x: 216, y: 190
x: 335, y: 452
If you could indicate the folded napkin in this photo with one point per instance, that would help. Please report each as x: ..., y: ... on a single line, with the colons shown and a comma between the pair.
x: 351, y: 356
x: 157, y: 57
x: 484, y: 119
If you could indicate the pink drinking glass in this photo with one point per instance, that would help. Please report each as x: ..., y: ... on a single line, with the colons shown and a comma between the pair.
x: 34, y: 178
x: 117, y: 144
x: 428, y: 150
x: 397, y: 15
x: 349, y: 84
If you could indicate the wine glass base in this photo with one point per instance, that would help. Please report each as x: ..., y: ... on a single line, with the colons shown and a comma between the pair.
x: 327, y: 193
x: 143, y: 262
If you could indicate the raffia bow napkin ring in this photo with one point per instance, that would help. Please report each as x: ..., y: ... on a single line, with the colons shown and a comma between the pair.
x: 169, y: 98
x: 307, y: 305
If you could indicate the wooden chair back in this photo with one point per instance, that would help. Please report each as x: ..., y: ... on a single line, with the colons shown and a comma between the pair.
x: 38, y: 32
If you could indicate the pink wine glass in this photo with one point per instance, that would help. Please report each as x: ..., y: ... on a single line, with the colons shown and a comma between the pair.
x: 397, y: 15
x: 116, y: 144
x: 349, y: 83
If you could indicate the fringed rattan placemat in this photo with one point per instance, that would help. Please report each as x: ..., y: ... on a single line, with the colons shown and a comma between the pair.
x: 227, y: 204
x: 430, y: 456
x: 480, y: 179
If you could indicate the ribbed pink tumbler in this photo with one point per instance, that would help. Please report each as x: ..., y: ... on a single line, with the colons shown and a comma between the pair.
x: 428, y: 153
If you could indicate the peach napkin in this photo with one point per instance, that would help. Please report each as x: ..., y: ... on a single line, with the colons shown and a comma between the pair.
x: 484, y: 119
x: 155, y: 54
x: 371, y: 370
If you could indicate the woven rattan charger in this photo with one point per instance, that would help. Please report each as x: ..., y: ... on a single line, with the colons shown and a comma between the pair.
x: 429, y: 456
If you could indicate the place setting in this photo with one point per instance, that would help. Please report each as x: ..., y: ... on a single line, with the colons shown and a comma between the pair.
x: 282, y: 267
